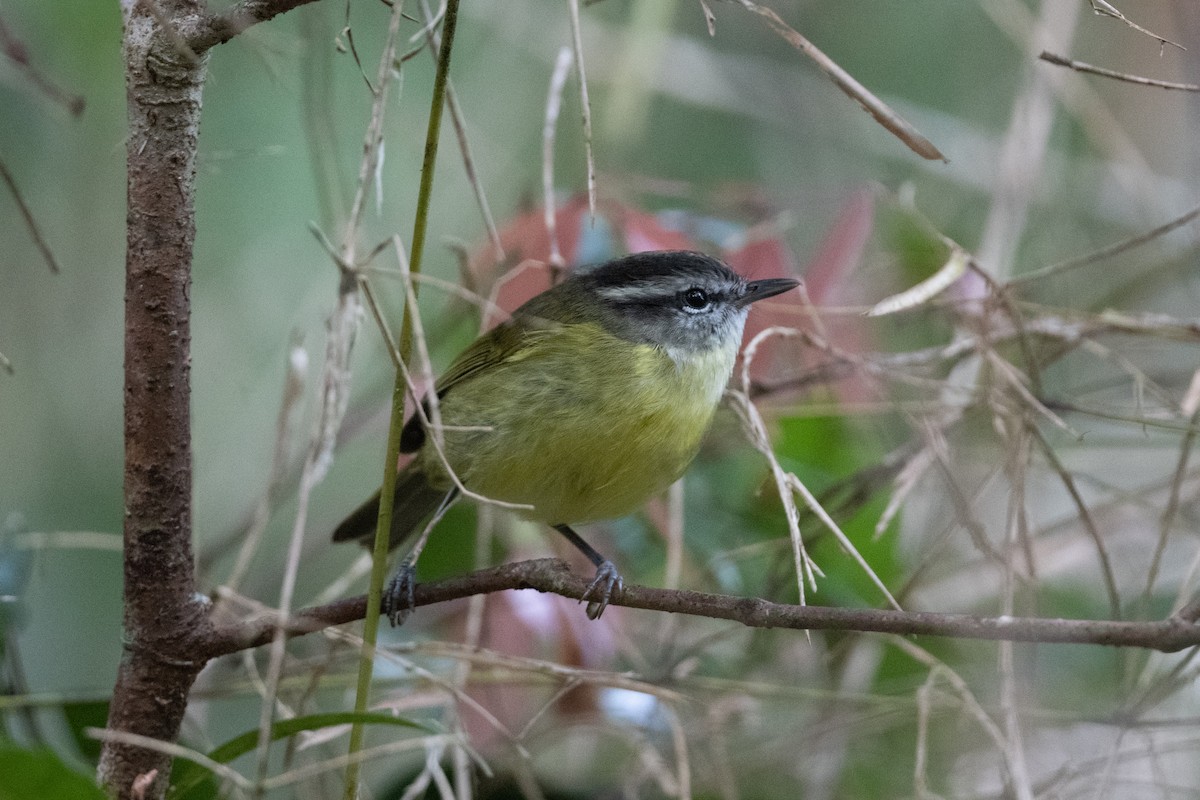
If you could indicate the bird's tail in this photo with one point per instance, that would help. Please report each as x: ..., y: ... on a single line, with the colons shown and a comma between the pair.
x: 415, y: 500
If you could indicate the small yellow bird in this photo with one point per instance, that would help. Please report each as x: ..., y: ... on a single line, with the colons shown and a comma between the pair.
x: 591, y: 399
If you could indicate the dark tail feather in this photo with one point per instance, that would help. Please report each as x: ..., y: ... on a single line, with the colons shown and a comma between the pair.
x: 415, y: 501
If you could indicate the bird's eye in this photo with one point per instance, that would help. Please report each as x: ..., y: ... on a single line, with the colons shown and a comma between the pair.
x: 696, y: 299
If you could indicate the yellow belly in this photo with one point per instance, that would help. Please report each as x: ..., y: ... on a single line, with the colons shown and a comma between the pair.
x: 580, y: 438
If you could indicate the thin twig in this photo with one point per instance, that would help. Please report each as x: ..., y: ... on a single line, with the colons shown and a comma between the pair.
x: 564, y: 673
x: 289, y: 407
x: 558, y: 80
x: 936, y: 443
x: 1018, y: 445
x: 752, y: 424
x: 18, y: 53
x: 472, y: 637
x: 925, y: 290
x: 939, y: 668
x: 1085, y: 518
x: 673, y: 532
x: 1167, y: 521
x: 242, y: 783
x: 1004, y: 297
x: 1107, y: 252
x: 30, y: 222
x: 458, y: 119
x: 393, y: 656
x: 1079, y: 98
x: 1148, y: 422
x: 882, y: 113
x: 577, y: 44
x: 683, y: 774
x: 1019, y: 167
x: 355, y: 758
x: 920, y: 772
x: 1106, y: 9
x: 317, y: 112
x: 1080, y: 66
x: 710, y: 19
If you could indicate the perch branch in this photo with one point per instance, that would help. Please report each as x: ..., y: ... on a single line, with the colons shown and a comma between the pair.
x: 554, y: 576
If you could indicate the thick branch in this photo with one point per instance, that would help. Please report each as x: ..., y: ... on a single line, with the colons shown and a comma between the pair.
x: 162, y: 616
x: 553, y: 575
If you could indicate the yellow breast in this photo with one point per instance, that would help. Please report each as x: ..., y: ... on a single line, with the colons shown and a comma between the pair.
x: 583, y: 426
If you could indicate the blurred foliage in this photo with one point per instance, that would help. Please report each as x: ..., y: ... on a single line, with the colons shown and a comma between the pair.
x: 38, y: 774
x: 735, y: 140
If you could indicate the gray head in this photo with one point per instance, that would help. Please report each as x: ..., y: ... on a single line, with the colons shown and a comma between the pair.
x: 679, y: 300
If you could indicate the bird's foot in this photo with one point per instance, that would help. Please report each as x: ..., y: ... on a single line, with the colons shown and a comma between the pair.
x: 398, y: 598
x: 600, y: 590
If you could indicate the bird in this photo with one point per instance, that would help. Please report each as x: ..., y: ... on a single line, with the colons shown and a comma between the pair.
x: 593, y: 397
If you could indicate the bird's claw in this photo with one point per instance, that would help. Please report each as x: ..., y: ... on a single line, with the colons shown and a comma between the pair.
x: 398, y: 596
x: 600, y: 590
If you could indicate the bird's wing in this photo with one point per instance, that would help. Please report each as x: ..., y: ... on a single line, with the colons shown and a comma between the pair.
x: 494, y: 347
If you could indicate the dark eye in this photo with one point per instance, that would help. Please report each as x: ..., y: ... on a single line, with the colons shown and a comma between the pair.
x: 696, y: 299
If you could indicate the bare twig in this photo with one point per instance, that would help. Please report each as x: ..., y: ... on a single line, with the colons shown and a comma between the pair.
x: 971, y: 704
x: 1107, y: 252
x: 1019, y: 164
x: 710, y: 19
x: 458, y: 119
x: 241, y: 783
x: 577, y: 44
x: 1080, y: 66
x: 683, y: 775
x: 1148, y: 422
x: 1106, y: 9
x: 34, y: 231
x: 752, y: 423
x: 1079, y: 98
x: 1167, y: 521
x: 16, y: 52
x: 788, y: 483
x: 289, y: 407
x: 920, y: 772
x: 317, y: 113
x: 882, y: 113
x: 1017, y: 425
x: 1085, y: 519
x: 558, y: 80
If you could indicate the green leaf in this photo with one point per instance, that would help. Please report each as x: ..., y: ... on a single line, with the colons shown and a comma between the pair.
x: 821, y: 449
x: 191, y: 780
x: 40, y: 774
x: 80, y: 717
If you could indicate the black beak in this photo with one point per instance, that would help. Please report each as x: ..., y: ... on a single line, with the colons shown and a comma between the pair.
x: 769, y: 287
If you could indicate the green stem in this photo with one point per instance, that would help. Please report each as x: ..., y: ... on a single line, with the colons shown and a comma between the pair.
x: 379, y: 565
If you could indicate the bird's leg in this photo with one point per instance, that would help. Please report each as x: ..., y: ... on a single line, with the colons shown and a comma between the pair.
x: 398, y: 601
x: 600, y: 590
